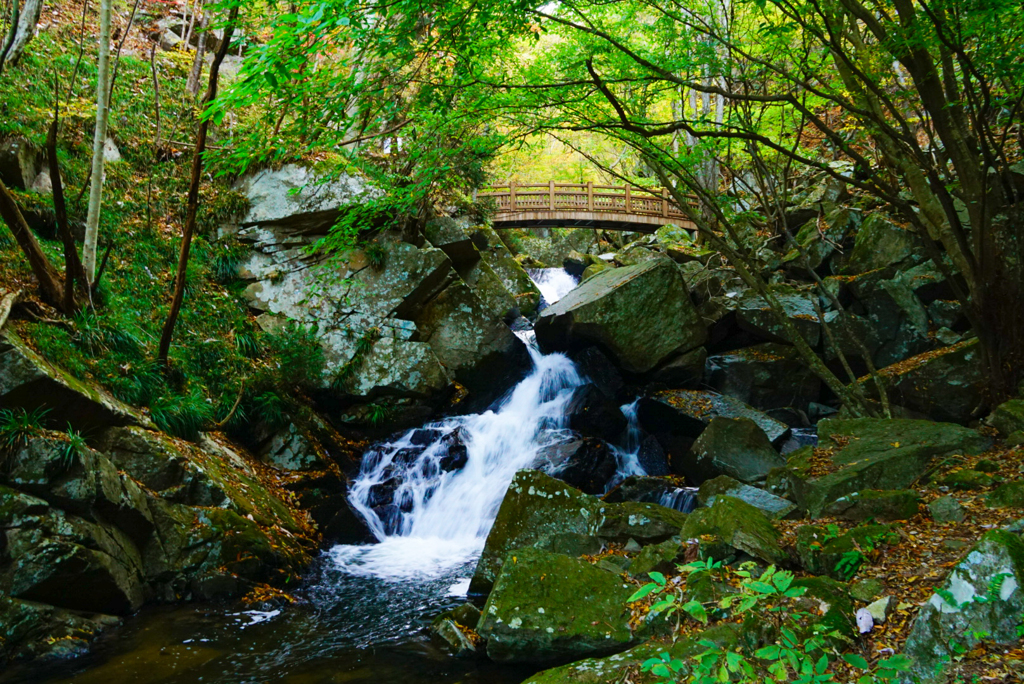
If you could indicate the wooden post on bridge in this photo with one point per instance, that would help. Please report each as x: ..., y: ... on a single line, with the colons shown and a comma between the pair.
x: 590, y: 195
x: 551, y: 195
x: 629, y: 200
x: 512, y: 195
x: 664, y: 202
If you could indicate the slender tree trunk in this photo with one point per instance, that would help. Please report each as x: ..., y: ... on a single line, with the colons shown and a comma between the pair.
x: 73, y: 270
x: 24, y: 32
x: 12, y: 31
x: 50, y: 286
x: 193, y: 192
x: 197, y: 64
x: 92, y: 223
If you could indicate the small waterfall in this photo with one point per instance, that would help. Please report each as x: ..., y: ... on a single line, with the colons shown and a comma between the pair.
x: 446, y: 481
x: 627, y: 456
x: 553, y: 283
x: 681, y: 499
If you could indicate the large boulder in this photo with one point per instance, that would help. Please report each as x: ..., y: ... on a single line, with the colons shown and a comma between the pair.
x: 21, y: 162
x: 766, y: 376
x: 676, y: 418
x: 594, y: 414
x: 945, y: 385
x: 870, y: 504
x: 1008, y: 417
x: 754, y: 315
x: 981, y: 599
x: 736, y: 447
x: 640, y: 315
x: 874, y: 453
x: 512, y: 275
x: 44, y: 633
x: 586, y: 463
x: 535, y: 613
x: 29, y: 381
x: 540, y: 511
x: 734, y: 526
x: 296, y: 197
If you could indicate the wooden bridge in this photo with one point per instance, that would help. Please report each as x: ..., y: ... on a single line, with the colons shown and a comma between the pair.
x: 612, y: 207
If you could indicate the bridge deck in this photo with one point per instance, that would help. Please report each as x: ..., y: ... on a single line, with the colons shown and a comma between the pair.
x: 614, y: 207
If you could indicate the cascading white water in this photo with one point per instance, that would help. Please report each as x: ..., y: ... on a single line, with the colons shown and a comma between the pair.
x: 627, y: 457
x: 439, y: 519
x: 553, y: 283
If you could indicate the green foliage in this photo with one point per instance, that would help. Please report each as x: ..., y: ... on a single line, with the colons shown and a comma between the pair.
x: 380, y: 413
x: 376, y: 255
x: 298, y: 355
x: 17, y: 426
x: 72, y: 445
x: 801, y: 650
x: 182, y: 415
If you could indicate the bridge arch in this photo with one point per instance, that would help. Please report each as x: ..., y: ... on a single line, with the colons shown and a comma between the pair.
x: 611, y: 207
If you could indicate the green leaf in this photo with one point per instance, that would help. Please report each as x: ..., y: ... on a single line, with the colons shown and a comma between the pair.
x: 899, y: 662
x: 657, y: 577
x: 770, y: 652
x: 696, y: 610
x: 642, y: 592
x: 782, y: 580
x: 856, y: 660
x: 821, y: 665
x: 761, y: 587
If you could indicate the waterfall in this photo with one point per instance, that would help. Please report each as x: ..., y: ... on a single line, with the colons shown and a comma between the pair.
x: 627, y: 456
x: 553, y: 283
x: 444, y: 482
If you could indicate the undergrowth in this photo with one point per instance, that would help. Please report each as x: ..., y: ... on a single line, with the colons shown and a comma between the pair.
x: 226, y: 372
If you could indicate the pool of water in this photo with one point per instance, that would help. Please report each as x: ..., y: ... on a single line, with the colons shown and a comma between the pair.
x: 344, y: 628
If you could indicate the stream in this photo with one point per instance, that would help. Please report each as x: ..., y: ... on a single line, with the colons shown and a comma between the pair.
x: 362, y: 614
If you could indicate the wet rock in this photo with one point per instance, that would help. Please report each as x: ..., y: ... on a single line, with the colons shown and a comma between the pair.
x: 981, y: 599
x: 945, y: 385
x: 534, y: 613
x: 591, y: 363
x: 515, y: 279
x: 766, y: 376
x: 587, y: 464
x: 44, y: 633
x: 661, y: 558
x: 774, y: 507
x: 292, y: 449
x: 877, y: 505
x: 736, y: 447
x: 677, y: 417
x: 614, y: 668
x: 738, y: 526
x: 657, y: 490
x: 592, y: 413
x: 639, y: 315
x: 476, y: 349
x: 538, y: 509
x: 871, y: 453
x: 1008, y: 417
x: 29, y: 381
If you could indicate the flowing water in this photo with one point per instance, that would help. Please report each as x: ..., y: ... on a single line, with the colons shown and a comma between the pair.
x: 430, y: 497
x: 553, y: 283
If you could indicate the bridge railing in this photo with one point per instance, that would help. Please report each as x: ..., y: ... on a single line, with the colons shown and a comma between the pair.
x: 582, y: 197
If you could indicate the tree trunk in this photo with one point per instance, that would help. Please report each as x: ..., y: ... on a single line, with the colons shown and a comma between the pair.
x: 99, y: 140
x: 73, y: 270
x: 193, y: 192
x: 197, y: 64
x: 50, y: 286
x: 25, y: 31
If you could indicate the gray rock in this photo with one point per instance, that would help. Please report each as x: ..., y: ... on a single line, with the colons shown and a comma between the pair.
x: 774, y: 507
x: 512, y: 275
x: 871, y: 504
x: 981, y: 599
x: 736, y: 447
x: 1008, y: 417
x: 754, y: 315
x: 947, y: 385
x: 946, y: 509
x: 640, y: 315
x: 688, y: 412
x: 295, y: 196
x: 879, y: 243
x: 766, y: 376
x: 21, y: 162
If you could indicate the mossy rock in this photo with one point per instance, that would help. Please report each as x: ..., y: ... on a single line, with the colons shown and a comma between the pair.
x: 739, y: 526
x: 874, y: 504
x: 1009, y: 495
x: 614, y: 668
x: 966, y: 480
x: 542, y: 512
x: 772, y: 506
x: 823, y: 552
x: 981, y: 599
x: 546, y: 607
x: 656, y: 558
x: 736, y: 447
x: 875, y: 453
x: 1008, y: 417
x: 834, y: 599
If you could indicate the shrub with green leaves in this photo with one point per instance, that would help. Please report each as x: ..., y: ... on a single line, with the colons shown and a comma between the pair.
x: 802, y: 651
x: 18, y: 425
